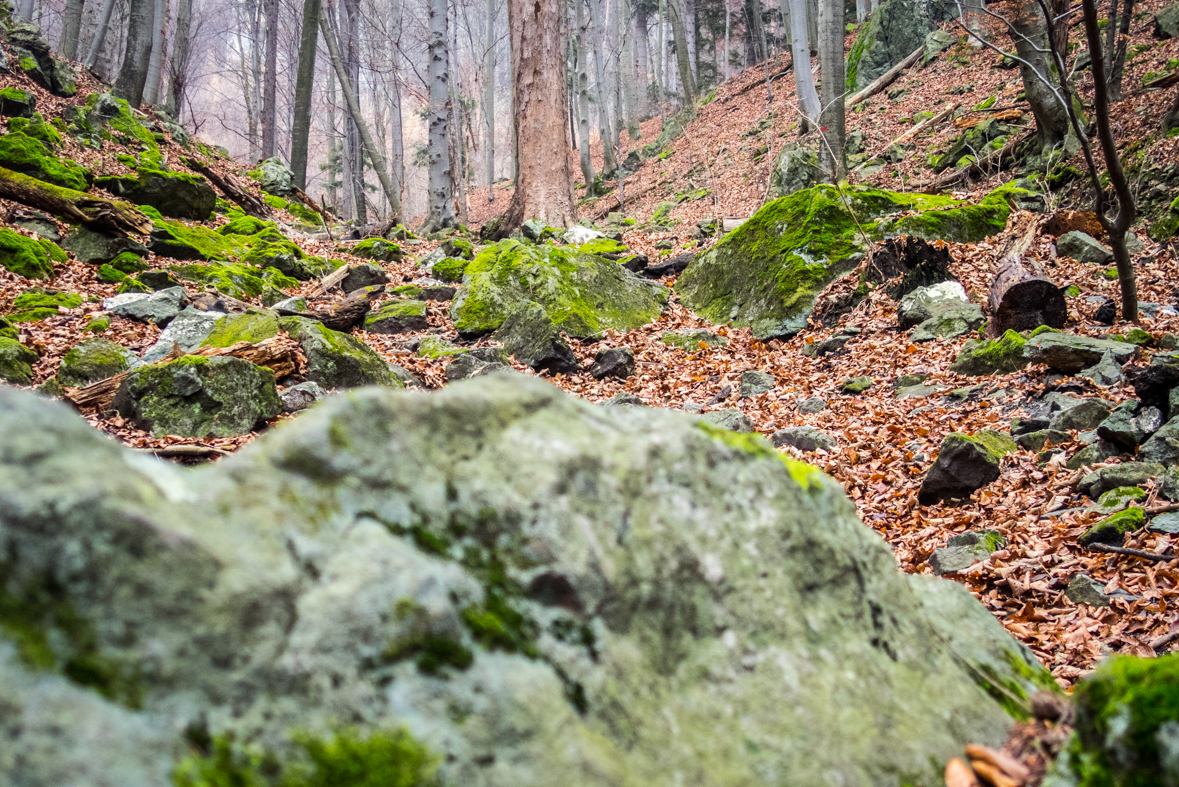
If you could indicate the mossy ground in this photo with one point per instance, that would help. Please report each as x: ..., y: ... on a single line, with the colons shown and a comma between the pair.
x: 21, y: 153
x: 36, y: 304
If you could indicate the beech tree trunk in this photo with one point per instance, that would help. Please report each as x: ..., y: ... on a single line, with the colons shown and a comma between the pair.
x: 104, y: 24
x: 133, y: 75
x: 832, y: 157
x: 681, y: 51
x: 804, y: 80
x: 440, y: 210
x: 605, y: 126
x: 728, y: 14
x: 757, y: 28
x: 581, y: 86
x: 354, y: 141
x: 304, y: 84
x: 71, y: 25
x: 642, y: 66
x: 178, y: 71
x: 544, y: 185
x: 660, y: 83
x: 489, y: 99
x: 155, y: 64
x: 270, y: 83
x: 1030, y: 34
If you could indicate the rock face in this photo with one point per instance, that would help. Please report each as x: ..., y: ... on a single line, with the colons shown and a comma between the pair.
x: 93, y: 360
x: 964, y: 464
x: 894, y: 31
x: 477, y: 566
x: 766, y: 274
x: 338, y: 360
x: 1082, y: 248
x: 582, y: 293
x: 196, y: 396
x: 158, y: 307
x: 398, y: 316
x: 530, y: 336
x: 188, y: 330
x: 1069, y: 354
x: 797, y: 168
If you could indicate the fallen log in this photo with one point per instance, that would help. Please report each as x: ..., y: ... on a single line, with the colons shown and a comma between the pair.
x: 977, y: 167
x: 74, y: 207
x: 329, y: 281
x: 924, y: 124
x: 247, y: 201
x: 1022, y: 297
x: 344, y: 315
x: 885, y: 79
x: 323, y: 212
x: 278, y: 353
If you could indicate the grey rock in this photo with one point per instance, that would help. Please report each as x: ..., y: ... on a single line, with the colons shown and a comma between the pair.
x: 187, y: 330
x: 1035, y: 441
x: 18, y: 103
x: 925, y: 302
x: 1129, y: 426
x: 1082, y: 248
x: 624, y: 399
x: 301, y: 396
x: 482, y: 360
x: 733, y: 420
x: 531, y: 338
x: 1169, y: 484
x: 1163, y: 446
x: 1165, y: 523
x: 964, y: 550
x: 1106, y: 373
x: 906, y: 380
x: 692, y: 339
x: 796, y: 168
x: 98, y: 248
x: 951, y: 322
x: 434, y: 290
x: 812, y: 405
x: 290, y: 586
x: 275, y: 177
x: 577, y: 235
x: 337, y: 360
x: 1166, y: 22
x: 1085, y: 414
x: 406, y: 377
x: 616, y: 362
x: 1020, y: 426
x: 804, y: 438
x: 157, y: 308
x: 189, y: 197
x: 365, y: 275
x: 1083, y: 589
x: 296, y: 304
x: 1069, y: 354
x: 917, y: 391
x: 895, y: 29
x: 198, y: 397
x: 1093, y: 454
x: 828, y: 346
x: 398, y: 315
x: 93, y: 360
x: 534, y: 229
x: 754, y: 383
x: 16, y: 362
x: 936, y: 42
x: 964, y: 464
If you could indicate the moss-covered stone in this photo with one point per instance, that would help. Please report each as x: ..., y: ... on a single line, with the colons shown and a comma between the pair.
x: 30, y: 156
x: 37, y: 303
x: 16, y: 362
x: 964, y: 464
x: 232, y: 279
x: 767, y: 273
x: 856, y: 385
x: 111, y: 118
x: 108, y: 275
x: 38, y: 129
x: 93, y: 360
x: 253, y: 326
x: 338, y: 360
x: 24, y: 256
x: 1119, y: 498
x: 176, y: 194
x: 1113, y: 529
x: 56, y: 253
x: 128, y: 262
x: 376, y: 249
x: 582, y: 294
x: 434, y: 347
x: 98, y: 325
x: 602, y: 246
x: 1167, y: 225
x: 7, y: 329
x: 15, y: 102
x: 397, y: 316
x: 245, y: 225
x: 182, y: 242
x: 196, y: 396
x: 995, y: 356
x: 450, y: 269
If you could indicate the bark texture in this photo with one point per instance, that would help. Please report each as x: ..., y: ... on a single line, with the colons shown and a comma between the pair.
x: 71, y: 24
x: 581, y: 86
x: 304, y: 83
x: 440, y: 207
x: 832, y: 157
x: 133, y: 75
x: 1030, y: 34
x: 178, y: 71
x: 270, y: 82
x: 804, y: 80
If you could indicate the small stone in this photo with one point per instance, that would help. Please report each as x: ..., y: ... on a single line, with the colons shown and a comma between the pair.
x: 917, y: 391
x: 1085, y: 414
x: 577, y: 235
x: 1163, y: 446
x: 1021, y: 426
x: 624, y: 399
x: 534, y: 229
x: 804, y: 438
x: 365, y: 275
x: 1093, y: 454
x: 478, y: 361
x: 397, y: 316
x: 1107, y: 312
x: 964, y: 550
x: 158, y: 308
x: 1105, y: 373
x: 828, y: 346
x: 93, y: 360
x: 856, y: 385
x: 1129, y: 425
x: 616, y: 362
x: 733, y: 420
x: 812, y: 406
x: 964, y: 464
x: 1113, y: 529
x: 754, y: 383
x: 694, y: 339
x: 301, y: 396
x: 1036, y: 441
x: 1166, y: 523
x: 1117, y: 499
x: 1083, y: 589
x: 906, y: 380
x: 1082, y: 248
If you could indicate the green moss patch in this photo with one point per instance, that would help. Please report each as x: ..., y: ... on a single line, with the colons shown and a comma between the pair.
x: 24, y: 256
x: 36, y: 304
x: 38, y: 129
x: 450, y: 269
x: 1113, y: 529
x: 996, y: 356
x: 16, y: 362
x: 253, y: 327
x: 232, y: 279
x: 376, y: 249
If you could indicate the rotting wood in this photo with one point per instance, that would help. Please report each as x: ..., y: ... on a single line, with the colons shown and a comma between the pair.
x: 885, y: 79
x: 74, y: 207
x: 1022, y: 297
x: 247, y: 201
x: 329, y: 281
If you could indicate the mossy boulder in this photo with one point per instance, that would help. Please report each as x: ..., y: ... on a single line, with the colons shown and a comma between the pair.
x: 338, y: 360
x: 24, y: 256
x: 7, y: 329
x: 1113, y: 529
x: 498, y: 567
x: 95, y: 247
x: 15, y: 102
x: 105, y: 117
x: 1068, y: 353
x: 450, y: 269
x: 398, y: 315
x: 93, y: 360
x: 796, y: 168
x: 233, y: 279
x: 274, y: 177
x: 175, y: 194
x: 583, y: 294
x: 766, y: 274
x: 434, y: 347
x: 245, y: 225
x: 16, y: 362
x: 964, y: 464
x: 895, y: 29
x: 253, y: 326
x: 37, y: 303
x: 1167, y: 225
x: 528, y: 334
x: 196, y: 396
x: 29, y: 156
x: 182, y: 242
x: 377, y: 249
x: 38, y: 129
x: 994, y: 356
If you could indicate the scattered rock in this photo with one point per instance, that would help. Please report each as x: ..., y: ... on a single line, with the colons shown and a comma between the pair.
x: 616, y: 362
x: 1163, y: 446
x: 754, y: 383
x: 797, y: 168
x: 804, y: 438
x: 828, y: 346
x: 1153, y: 384
x: 1130, y: 425
x: 733, y: 420
x: 398, y: 316
x: 694, y: 339
x: 1107, y: 312
x: 1082, y: 248
x: 676, y: 264
x: 196, y: 396
x: 964, y: 550
x: 917, y: 391
x: 855, y: 385
x: 964, y: 464
x: 1069, y: 354
x: 926, y: 302
x: 157, y: 308
x: 577, y: 235
x: 275, y: 177
x: 1117, y: 499
x: 624, y: 399
x: 174, y: 194
x: 812, y: 405
x: 1165, y: 523
x: 1113, y: 529
x: 301, y: 396
x: 366, y: 275
x: 187, y: 330
x: 530, y: 336
x: 1105, y: 373
x: 996, y: 356
x: 93, y: 360
x: 16, y: 362
x: 1093, y: 454
x: 377, y: 249
x: 1038, y: 440
x: 1166, y: 22
x: 476, y: 362
x: 337, y: 360
x: 1079, y: 414
x: 95, y: 248
x: 1083, y: 589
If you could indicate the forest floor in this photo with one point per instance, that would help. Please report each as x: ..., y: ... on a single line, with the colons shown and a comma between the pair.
x: 885, y: 445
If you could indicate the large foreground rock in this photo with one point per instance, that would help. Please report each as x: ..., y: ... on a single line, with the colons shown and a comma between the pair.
x: 583, y: 294
x: 538, y: 593
x: 766, y: 274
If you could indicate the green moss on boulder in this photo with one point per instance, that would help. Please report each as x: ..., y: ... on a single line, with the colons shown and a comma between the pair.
x: 232, y: 279
x: 38, y: 129
x: 31, y: 157
x: 376, y: 249
x: 16, y: 362
x: 450, y: 269
x: 1113, y: 529
x: 995, y: 356
x: 253, y: 326
x: 24, y: 256
x: 93, y: 360
x: 176, y: 194
x: 182, y: 242
x: 37, y: 303
x: 583, y: 294
x: 338, y: 360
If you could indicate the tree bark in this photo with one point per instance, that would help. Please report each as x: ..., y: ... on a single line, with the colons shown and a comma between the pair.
x: 642, y: 65
x: 629, y: 75
x: 804, y: 80
x: 133, y: 75
x: 73, y: 207
x: 489, y: 99
x: 832, y: 157
x: 178, y: 72
x: 681, y: 51
x: 1023, y: 299
x: 440, y: 210
x: 728, y: 14
x: 660, y: 82
x: 71, y: 25
x: 304, y: 84
x: 1030, y: 33
x: 690, y: 36
x: 104, y: 24
x: 581, y: 85
x: 333, y: 162
x: 353, y: 103
x: 155, y: 64
x: 355, y: 143
x: 605, y: 126
x: 1116, y: 52
x: 757, y: 28
x: 270, y: 83
x: 544, y: 186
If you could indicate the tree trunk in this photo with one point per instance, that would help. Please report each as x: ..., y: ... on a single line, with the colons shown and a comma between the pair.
x: 544, y: 186
x: 374, y: 154
x: 440, y: 210
x: 133, y: 74
x: 832, y: 157
x: 354, y: 147
x: 24, y: 10
x: 270, y: 83
x: 812, y: 25
x: 728, y: 14
x: 334, y: 158
x: 642, y: 69
x: 757, y: 28
x: 73, y: 207
x: 681, y: 51
x: 627, y: 74
x: 305, y: 83
x: 71, y: 24
x: 605, y: 127
x: 155, y: 64
x: 1022, y: 299
x: 660, y: 84
x: 104, y: 24
x: 1059, y: 23
x: 863, y: 8
x: 489, y: 99
x: 1116, y: 53
x: 804, y: 80
x: 689, y: 7
x: 581, y: 85
x: 1030, y: 32
x: 178, y: 72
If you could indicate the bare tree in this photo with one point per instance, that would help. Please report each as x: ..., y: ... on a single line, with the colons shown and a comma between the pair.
x: 304, y: 84
x: 544, y: 185
x: 681, y: 51
x: 489, y: 98
x: 804, y: 80
x: 832, y: 28
x: 71, y: 24
x: 440, y: 208
x: 155, y: 64
x: 581, y: 86
x: 133, y: 75
x: 1029, y: 30
x: 270, y: 81
x: 104, y: 23
x: 605, y: 127
x: 178, y: 72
